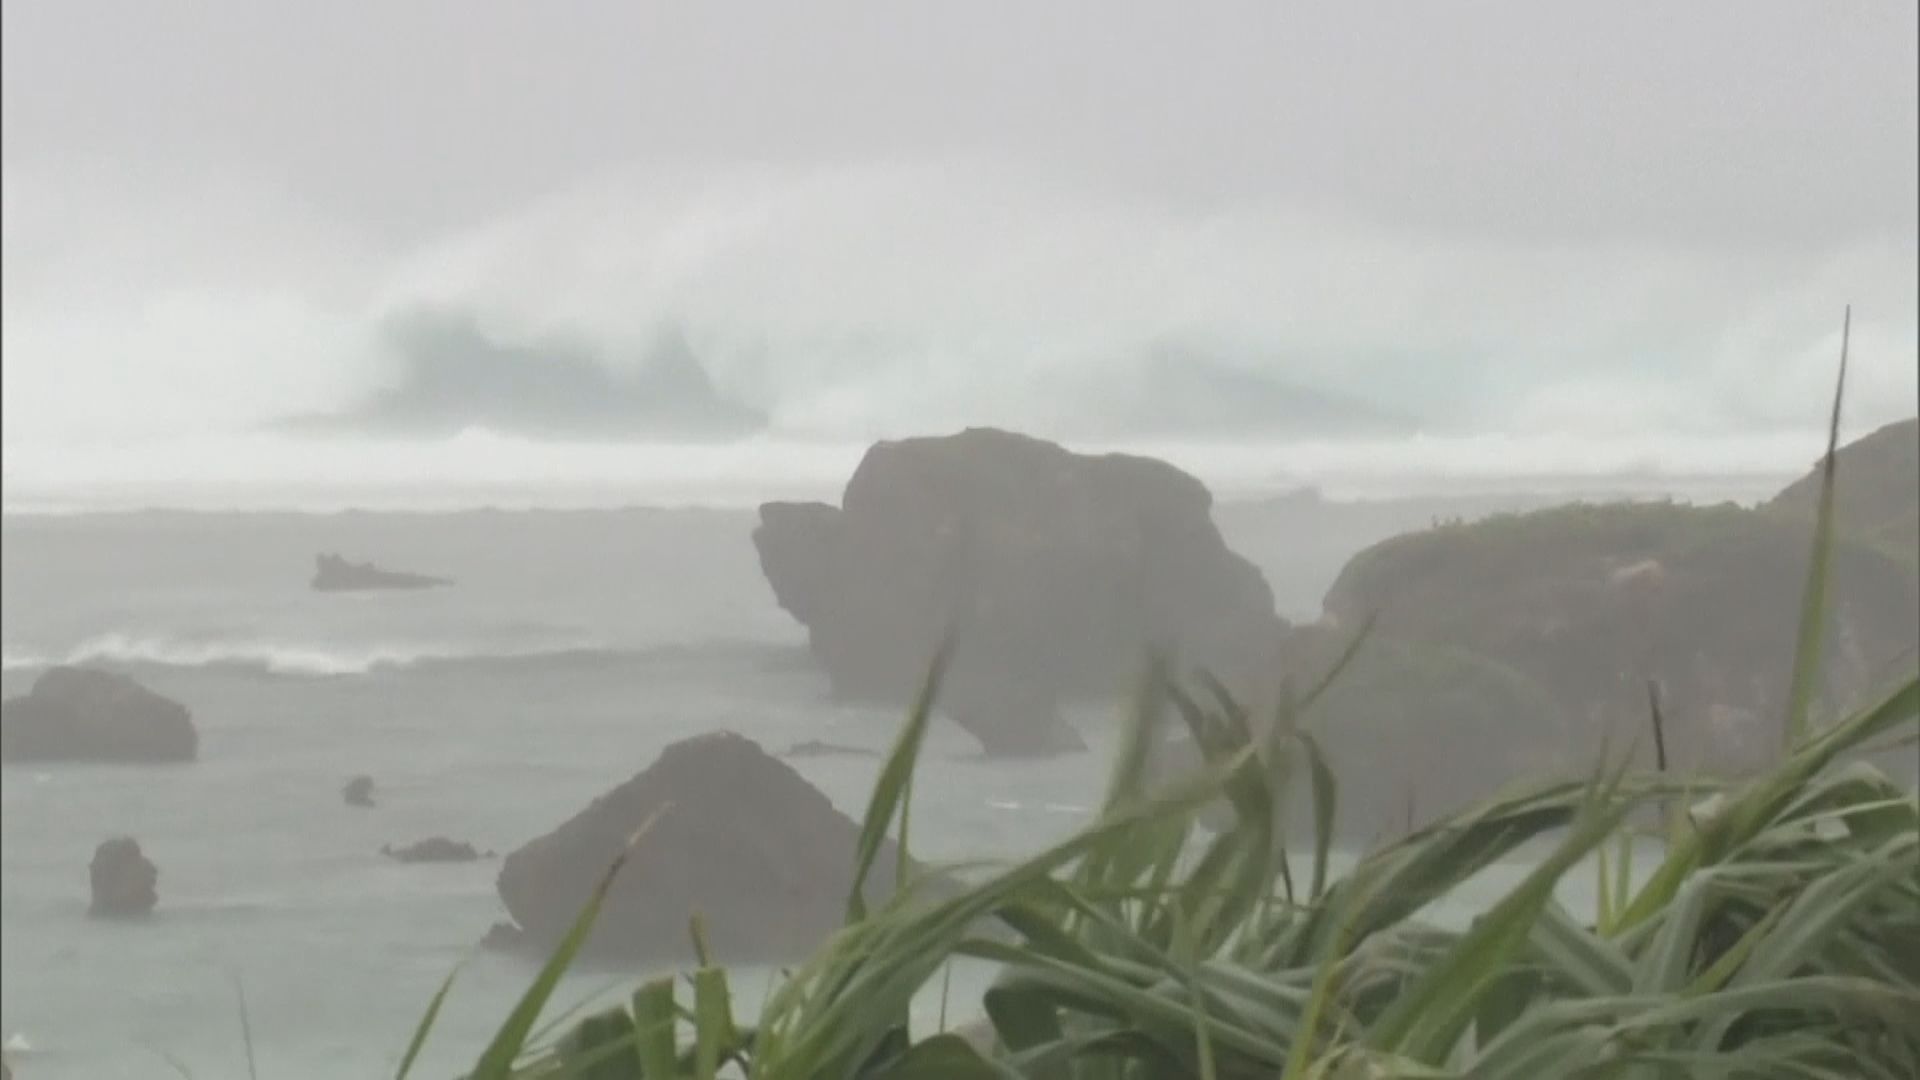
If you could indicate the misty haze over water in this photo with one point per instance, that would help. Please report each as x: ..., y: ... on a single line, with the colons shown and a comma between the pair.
x: 550, y: 301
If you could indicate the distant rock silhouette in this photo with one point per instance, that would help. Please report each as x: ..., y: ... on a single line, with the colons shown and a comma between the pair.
x: 742, y: 840
x: 1058, y: 573
x: 84, y: 714
x: 334, y: 574
x: 358, y: 792
x: 434, y: 849
x: 816, y: 748
x: 122, y: 879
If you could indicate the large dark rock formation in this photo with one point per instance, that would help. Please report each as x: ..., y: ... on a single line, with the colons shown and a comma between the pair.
x: 434, y: 849
x: 83, y: 714
x: 742, y: 841
x: 331, y: 573
x: 1590, y: 603
x: 1057, y: 572
x: 123, y: 880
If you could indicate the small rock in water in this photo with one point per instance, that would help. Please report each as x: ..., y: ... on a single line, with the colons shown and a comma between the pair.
x: 359, y: 791
x: 123, y: 879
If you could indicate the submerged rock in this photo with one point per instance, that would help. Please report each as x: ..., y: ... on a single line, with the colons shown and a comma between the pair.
x: 358, y: 792
x: 741, y: 840
x: 1056, y: 572
x: 83, y: 714
x: 434, y: 849
x: 122, y: 879
x: 334, y: 574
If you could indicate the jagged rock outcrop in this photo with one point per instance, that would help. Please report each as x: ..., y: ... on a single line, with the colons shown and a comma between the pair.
x: 434, y: 849
x: 741, y: 840
x: 358, y: 792
x: 84, y: 714
x: 1057, y: 573
x: 331, y: 573
x: 122, y: 879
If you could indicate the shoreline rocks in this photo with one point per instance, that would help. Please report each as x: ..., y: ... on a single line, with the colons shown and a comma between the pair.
x: 741, y: 840
x: 85, y: 714
x: 122, y: 880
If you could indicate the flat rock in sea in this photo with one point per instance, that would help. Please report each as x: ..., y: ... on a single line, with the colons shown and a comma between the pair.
x: 334, y: 574
x: 83, y: 714
x: 122, y: 879
x: 434, y: 849
x: 741, y: 840
x: 1056, y: 574
x: 818, y: 748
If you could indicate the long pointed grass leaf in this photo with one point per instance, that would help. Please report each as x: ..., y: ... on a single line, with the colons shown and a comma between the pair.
x: 1813, y: 604
x: 891, y: 786
x: 496, y: 1062
x: 425, y: 1025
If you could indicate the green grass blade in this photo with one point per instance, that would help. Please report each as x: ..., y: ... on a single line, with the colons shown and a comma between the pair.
x: 653, y: 1025
x: 1326, y: 802
x: 1825, y: 908
x: 713, y: 1030
x: 891, y: 788
x: 1307, y: 1036
x: 496, y: 1062
x: 1426, y: 1020
x: 246, y: 1029
x: 1346, y: 657
x: 420, y: 1031
x: 1813, y: 605
x: 1139, y: 737
x: 941, y: 1057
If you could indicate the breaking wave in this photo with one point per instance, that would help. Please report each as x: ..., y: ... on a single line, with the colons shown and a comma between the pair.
x: 304, y: 660
x: 877, y: 299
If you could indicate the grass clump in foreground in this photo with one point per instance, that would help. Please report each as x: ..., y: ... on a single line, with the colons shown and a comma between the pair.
x: 1778, y: 936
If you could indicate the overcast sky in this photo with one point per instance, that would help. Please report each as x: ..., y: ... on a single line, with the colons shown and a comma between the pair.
x: 1506, y: 178
x: 1736, y: 122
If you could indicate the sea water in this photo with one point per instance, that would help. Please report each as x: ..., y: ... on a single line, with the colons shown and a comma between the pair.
x: 572, y: 649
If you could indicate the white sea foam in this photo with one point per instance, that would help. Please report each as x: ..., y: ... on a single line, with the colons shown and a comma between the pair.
x: 277, y: 657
